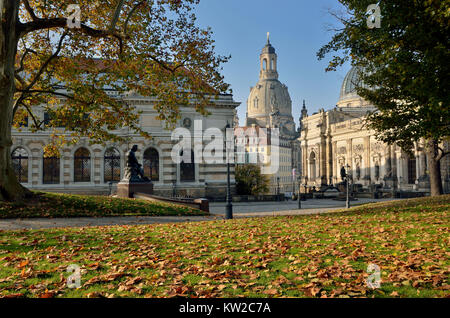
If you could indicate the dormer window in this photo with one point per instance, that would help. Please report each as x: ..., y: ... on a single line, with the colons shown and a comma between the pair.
x: 255, y: 103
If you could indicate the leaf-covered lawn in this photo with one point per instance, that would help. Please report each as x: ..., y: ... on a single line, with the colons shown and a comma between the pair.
x: 68, y: 205
x: 305, y: 256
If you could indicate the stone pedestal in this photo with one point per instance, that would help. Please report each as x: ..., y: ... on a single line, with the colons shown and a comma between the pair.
x: 126, y: 189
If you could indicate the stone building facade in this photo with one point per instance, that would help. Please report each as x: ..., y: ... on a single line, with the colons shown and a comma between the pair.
x: 95, y: 168
x: 336, y: 138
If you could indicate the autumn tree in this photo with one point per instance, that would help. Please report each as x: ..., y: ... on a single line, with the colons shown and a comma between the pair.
x: 250, y: 180
x: 50, y: 57
x: 404, y: 64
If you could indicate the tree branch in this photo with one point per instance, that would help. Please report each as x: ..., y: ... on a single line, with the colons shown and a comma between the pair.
x: 42, y: 91
x: 30, y: 10
x: 442, y: 154
x: 112, y: 26
x: 44, y: 66
x: 16, y: 105
x: 129, y: 16
x: 41, y: 24
x: 27, y: 50
x: 38, y: 75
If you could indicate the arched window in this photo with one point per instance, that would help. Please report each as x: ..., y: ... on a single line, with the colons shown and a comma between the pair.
x: 82, y: 165
x: 111, y: 167
x: 187, y: 170
x: 20, y: 164
x: 264, y: 64
x: 50, y: 170
x: 412, y: 176
x: 272, y: 64
x: 151, y: 164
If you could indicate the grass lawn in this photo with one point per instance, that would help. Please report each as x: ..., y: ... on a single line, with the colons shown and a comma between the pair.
x: 66, y: 205
x: 305, y: 256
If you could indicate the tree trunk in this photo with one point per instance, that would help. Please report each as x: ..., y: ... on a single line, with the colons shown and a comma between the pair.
x: 10, y: 188
x: 434, y: 168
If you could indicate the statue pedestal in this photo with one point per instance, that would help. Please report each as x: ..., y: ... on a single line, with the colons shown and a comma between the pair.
x: 126, y: 189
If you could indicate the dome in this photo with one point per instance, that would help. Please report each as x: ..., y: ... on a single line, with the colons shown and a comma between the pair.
x: 269, y: 103
x: 269, y: 97
x: 348, y: 95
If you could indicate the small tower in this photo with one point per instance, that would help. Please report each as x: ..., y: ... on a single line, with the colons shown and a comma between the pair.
x: 304, y: 114
x: 304, y: 110
x: 268, y: 60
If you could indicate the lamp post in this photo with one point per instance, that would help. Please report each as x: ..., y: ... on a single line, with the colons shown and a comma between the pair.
x: 110, y: 183
x: 347, y: 200
x: 174, y: 190
x: 278, y: 188
x: 293, y: 189
x: 294, y: 175
x: 394, y: 186
x: 306, y: 185
x: 229, y: 206
x: 299, y: 192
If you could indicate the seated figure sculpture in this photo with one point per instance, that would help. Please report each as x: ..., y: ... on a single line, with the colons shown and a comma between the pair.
x: 133, y: 170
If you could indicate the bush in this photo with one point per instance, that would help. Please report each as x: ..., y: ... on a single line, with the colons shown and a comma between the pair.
x: 250, y: 181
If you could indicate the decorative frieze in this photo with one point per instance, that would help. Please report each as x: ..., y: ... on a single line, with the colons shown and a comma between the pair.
x: 342, y: 151
x: 358, y: 149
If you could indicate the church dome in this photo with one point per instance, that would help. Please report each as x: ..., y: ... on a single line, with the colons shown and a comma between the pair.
x: 349, y: 96
x: 269, y: 103
x: 269, y: 97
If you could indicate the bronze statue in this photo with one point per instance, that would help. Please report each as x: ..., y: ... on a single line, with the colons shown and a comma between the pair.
x: 133, y: 170
x: 343, y: 173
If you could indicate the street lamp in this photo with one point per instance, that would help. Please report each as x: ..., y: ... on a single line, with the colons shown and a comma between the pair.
x: 229, y: 206
x: 293, y: 188
x: 278, y: 188
x: 347, y: 201
x: 299, y: 193
x: 174, y: 190
x: 110, y: 183
x: 394, y: 186
x: 306, y: 185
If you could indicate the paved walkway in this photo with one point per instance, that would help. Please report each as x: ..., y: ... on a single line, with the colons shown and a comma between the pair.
x: 45, y: 223
x: 244, y: 208
x: 240, y: 210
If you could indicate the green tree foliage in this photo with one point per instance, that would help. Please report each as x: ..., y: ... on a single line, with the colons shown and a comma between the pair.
x: 406, y: 70
x: 150, y: 47
x: 250, y: 181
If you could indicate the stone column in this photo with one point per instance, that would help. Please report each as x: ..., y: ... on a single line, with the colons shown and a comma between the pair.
x: 367, y: 158
x: 394, y: 161
x: 400, y: 164
x: 319, y: 161
x: 349, y: 156
x: 419, y: 166
x: 304, y: 162
x: 329, y: 161
x: 388, y: 168
x: 335, y: 171
x: 64, y: 164
x: 423, y: 164
x: 324, y: 161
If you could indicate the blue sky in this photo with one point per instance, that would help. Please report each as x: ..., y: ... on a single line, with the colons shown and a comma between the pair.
x: 298, y: 28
